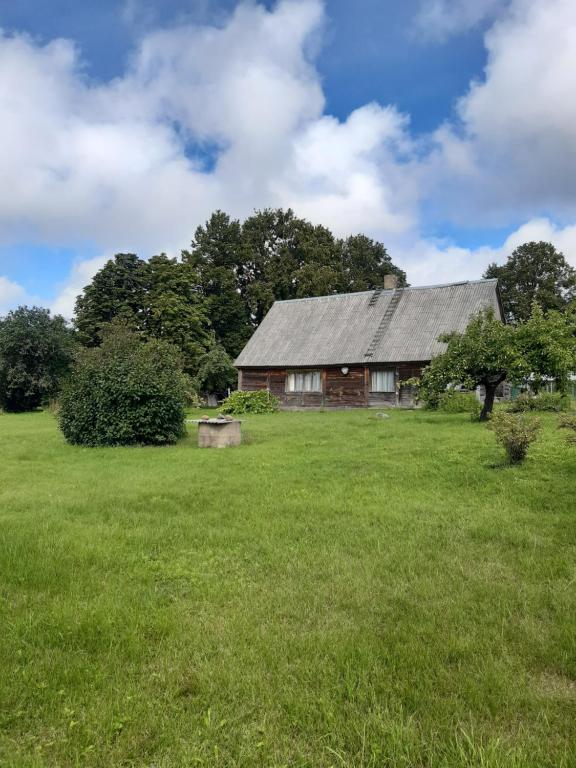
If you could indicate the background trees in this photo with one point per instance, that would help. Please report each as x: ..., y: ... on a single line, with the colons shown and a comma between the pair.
x: 227, y: 281
x: 35, y: 352
x: 534, y: 272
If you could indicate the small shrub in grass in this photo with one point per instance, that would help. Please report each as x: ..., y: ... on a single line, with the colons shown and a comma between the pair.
x: 125, y: 392
x: 240, y: 402
x: 545, y: 401
x: 568, y: 421
x: 453, y: 401
x: 515, y: 432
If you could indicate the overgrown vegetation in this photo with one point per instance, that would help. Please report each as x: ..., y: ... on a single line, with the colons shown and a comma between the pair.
x: 452, y: 401
x: 239, y: 402
x: 544, y: 401
x: 124, y: 392
x: 515, y: 432
x: 339, y: 591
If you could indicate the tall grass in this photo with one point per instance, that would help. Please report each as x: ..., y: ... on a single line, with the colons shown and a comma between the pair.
x: 341, y: 590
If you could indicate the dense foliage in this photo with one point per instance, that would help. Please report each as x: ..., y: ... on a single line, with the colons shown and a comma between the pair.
x: 35, y: 352
x: 239, y: 402
x: 535, y: 271
x: 227, y: 280
x: 452, y: 401
x: 483, y: 355
x: 216, y: 373
x: 543, y: 401
x: 489, y: 351
x: 158, y: 299
x: 515, y: 432
x: 124, y: 392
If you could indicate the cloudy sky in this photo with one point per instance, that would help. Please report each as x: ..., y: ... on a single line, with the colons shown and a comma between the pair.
x: 444, y: 128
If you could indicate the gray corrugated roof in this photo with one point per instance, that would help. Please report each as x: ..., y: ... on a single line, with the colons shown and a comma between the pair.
x: 338, y: 329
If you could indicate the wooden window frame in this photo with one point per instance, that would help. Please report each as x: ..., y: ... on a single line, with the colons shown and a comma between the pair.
x: 303, y: 371
x: 382, y: 391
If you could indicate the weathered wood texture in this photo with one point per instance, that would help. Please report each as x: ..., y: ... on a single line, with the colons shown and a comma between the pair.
x: 339, y: 390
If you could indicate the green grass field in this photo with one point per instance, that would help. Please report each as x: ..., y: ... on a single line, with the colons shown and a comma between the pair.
x: 341, y: 590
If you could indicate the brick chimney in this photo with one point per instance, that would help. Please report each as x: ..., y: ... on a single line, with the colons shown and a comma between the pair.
x: 390, y: 282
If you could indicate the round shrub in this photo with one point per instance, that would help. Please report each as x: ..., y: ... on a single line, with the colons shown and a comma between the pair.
x: 515, y: 432
x: 125, y: 392
x: 261, y: 401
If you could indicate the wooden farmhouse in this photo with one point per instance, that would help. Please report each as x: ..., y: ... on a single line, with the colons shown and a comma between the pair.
x: 356, y: 349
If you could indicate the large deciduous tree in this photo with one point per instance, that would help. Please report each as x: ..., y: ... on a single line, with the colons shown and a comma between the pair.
x: 535, y: 271
x: 547, y: 343
x: 175, y: 310
x: 485, y: 354
x: 216, y: 256
x: 117, y: 292
x: 35, y: 352
x: 365, y: 263
x: 490, y: 351
x: 159, y: 298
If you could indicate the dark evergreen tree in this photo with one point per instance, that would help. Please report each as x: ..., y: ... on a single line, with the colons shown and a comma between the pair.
x: 534, y: 272
x: 35, y: 353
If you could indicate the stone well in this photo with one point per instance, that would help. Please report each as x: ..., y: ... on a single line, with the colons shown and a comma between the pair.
x: 218, y: 433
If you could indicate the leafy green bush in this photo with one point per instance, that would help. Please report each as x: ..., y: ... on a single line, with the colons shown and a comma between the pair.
x: 453, y: 401
x: 261, y: 401
x: 125, y: 392
x: 568, y: 421
x: 515, y: 432
x: 545, y: 401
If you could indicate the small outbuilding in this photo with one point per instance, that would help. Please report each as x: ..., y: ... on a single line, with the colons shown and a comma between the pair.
x: 356, y: 349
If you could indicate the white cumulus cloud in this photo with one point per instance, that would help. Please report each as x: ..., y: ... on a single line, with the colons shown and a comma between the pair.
x: 232, y: 115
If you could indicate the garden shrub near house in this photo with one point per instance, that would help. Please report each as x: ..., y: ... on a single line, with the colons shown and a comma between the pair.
x: 515, y: 432
x: 126, y: 392
x: 453, y: 401
x: 544, y: 401
x: 240, y: 402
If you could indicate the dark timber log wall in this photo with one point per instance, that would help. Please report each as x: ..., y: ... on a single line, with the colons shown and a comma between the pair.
x: 339, y: 390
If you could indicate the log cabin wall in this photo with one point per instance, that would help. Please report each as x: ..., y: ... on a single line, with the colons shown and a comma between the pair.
x: 339, y: 390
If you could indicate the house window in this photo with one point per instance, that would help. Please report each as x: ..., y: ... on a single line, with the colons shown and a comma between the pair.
x: 303, y: 381
x: 382, y: 381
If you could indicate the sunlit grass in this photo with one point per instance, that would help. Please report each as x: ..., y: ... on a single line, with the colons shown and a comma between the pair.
x: 341, y: 590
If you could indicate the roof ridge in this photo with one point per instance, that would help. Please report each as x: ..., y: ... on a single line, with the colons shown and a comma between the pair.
x: 388, y: 290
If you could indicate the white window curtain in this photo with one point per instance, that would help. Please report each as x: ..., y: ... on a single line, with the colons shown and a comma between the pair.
x: 305, y: 381
x: 382, y: 381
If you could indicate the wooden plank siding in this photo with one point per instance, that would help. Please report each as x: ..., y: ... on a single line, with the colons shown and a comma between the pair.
x: 339, y: 390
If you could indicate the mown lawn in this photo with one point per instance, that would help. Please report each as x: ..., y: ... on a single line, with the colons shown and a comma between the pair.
x: 342, y: 590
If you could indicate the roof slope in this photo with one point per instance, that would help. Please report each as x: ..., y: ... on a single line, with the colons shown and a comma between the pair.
x: 339, y: 329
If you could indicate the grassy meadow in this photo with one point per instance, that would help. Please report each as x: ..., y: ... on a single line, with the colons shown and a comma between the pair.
x: 342, y: 590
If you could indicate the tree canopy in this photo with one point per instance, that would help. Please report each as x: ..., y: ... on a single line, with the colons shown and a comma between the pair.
x: 35, y: 352
x: 490, y: 351
x: 535, y: 271
x: 220, y: 290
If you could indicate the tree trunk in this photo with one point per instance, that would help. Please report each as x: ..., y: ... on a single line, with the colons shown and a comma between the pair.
x: 490, y: 386
x: 488, y: 401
